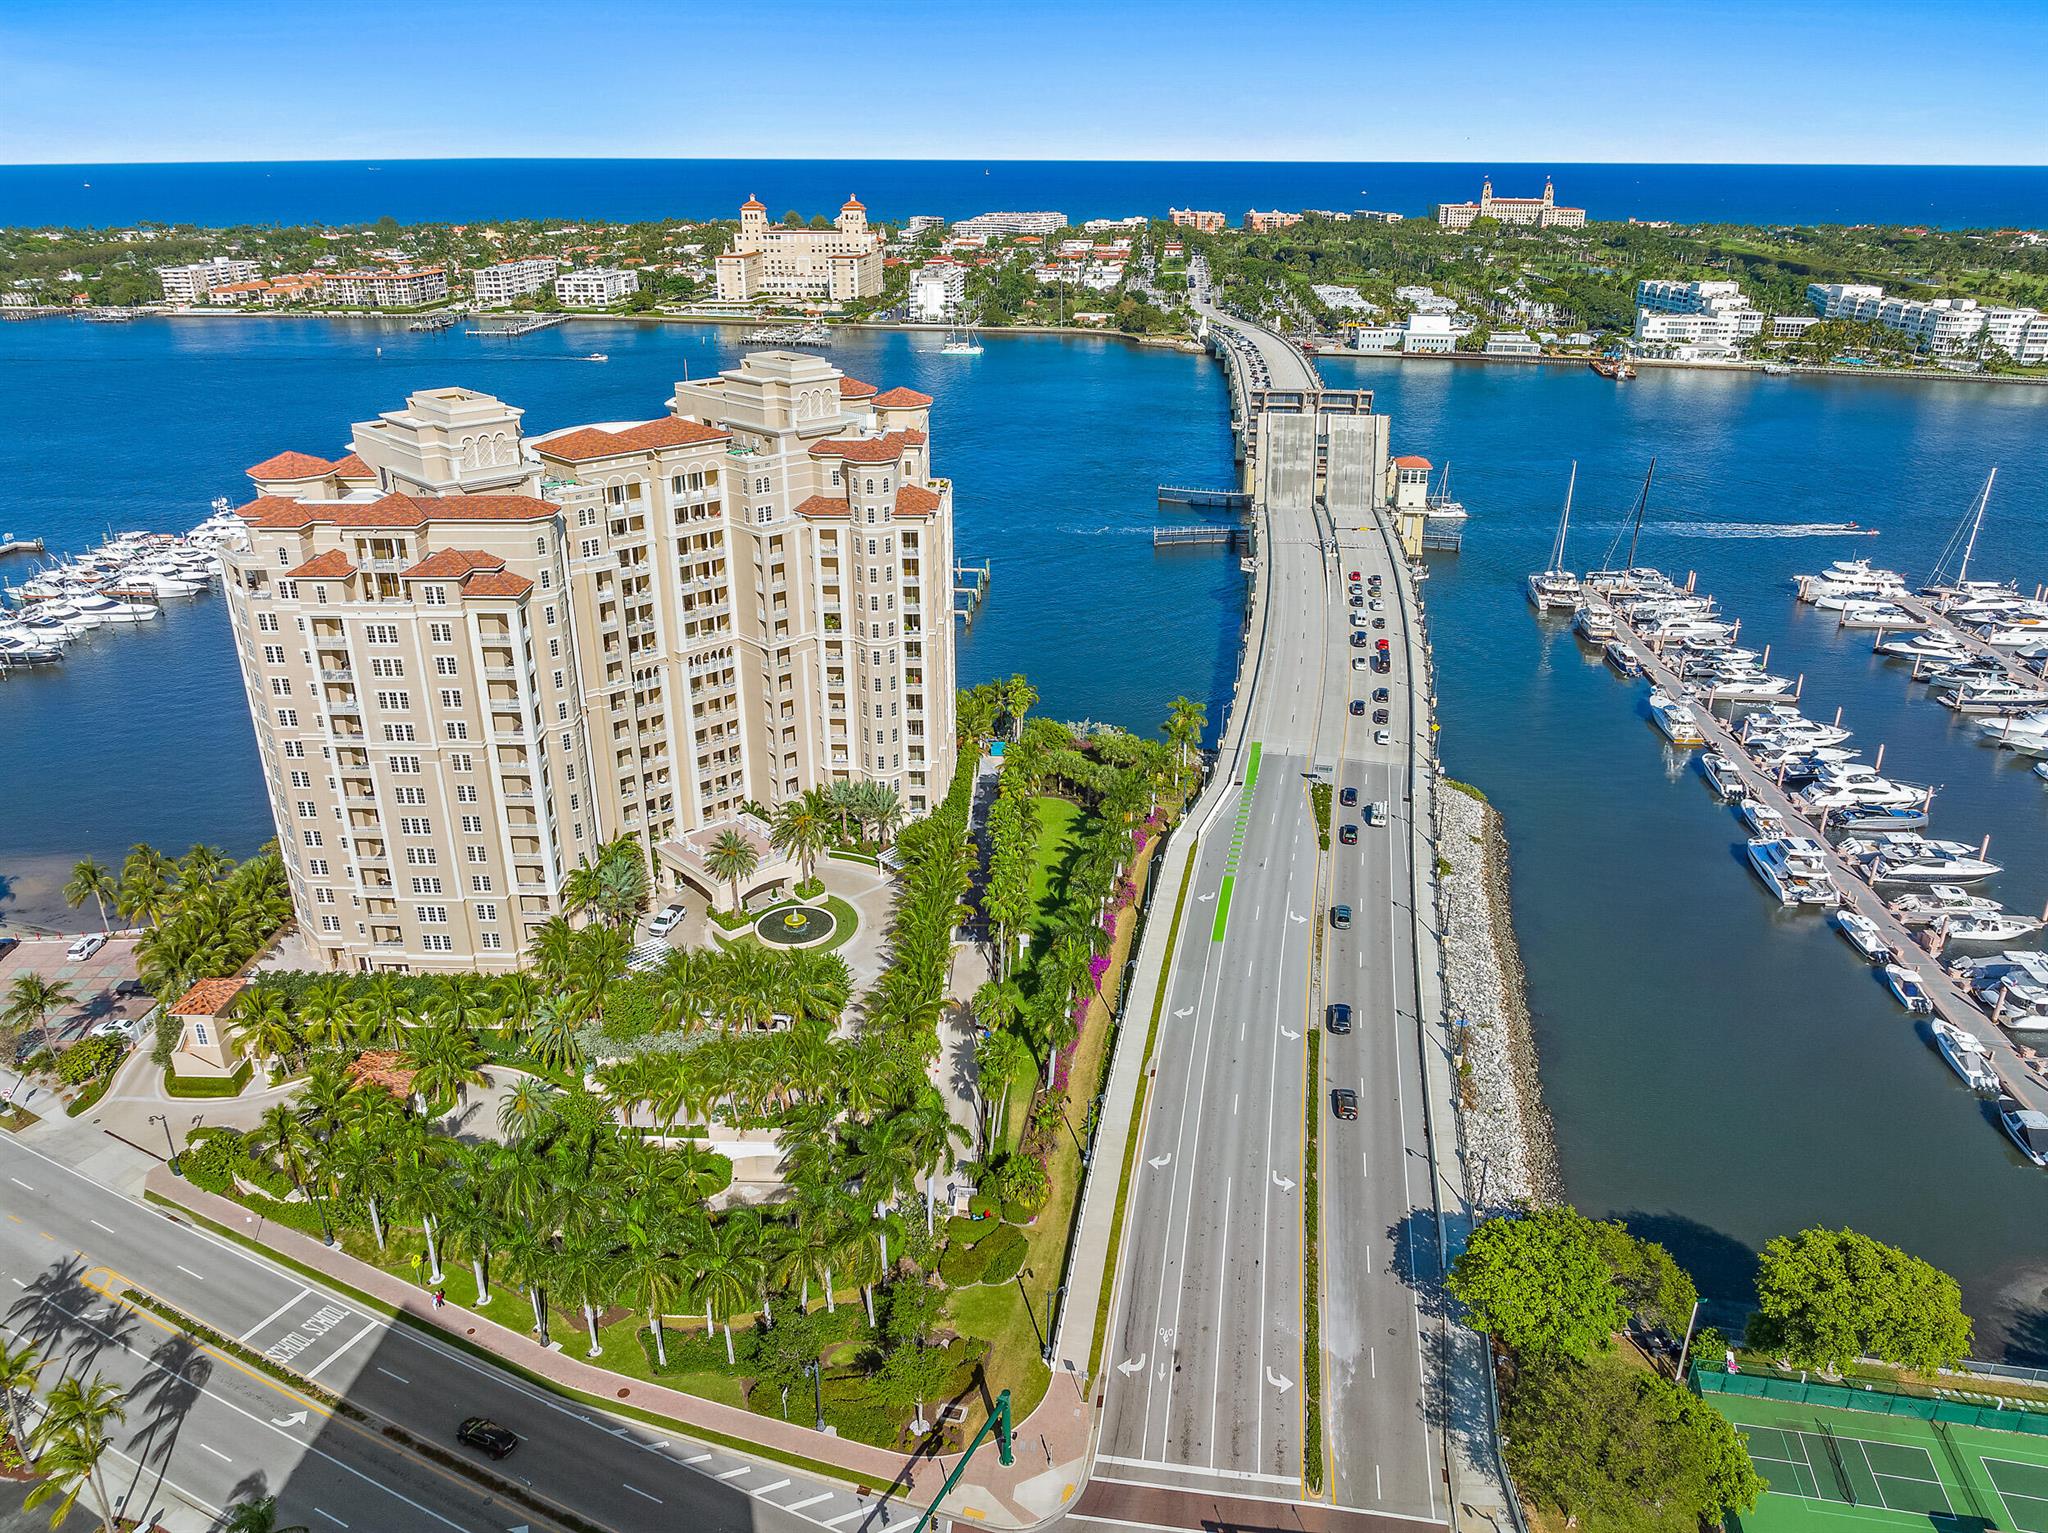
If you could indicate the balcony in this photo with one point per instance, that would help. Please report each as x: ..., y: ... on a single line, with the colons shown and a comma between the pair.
x: 343, y: 673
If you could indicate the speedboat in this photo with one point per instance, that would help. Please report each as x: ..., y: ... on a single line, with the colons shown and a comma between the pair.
x: 1761, y: 818
x: 2026, y: 1128
x: 1722, y: 775
x: 1861, y: 933
x: 1876, y: 614
x: 1795, y: 869
x: 1906, y: 987
x: 1926, y: 645
x: 1985, y: 926
x: 1877, y: 819
x: 1911, y: 858
x: 1953, y: 675
x: 1622, y: 661
x: 1966, y: 1055
x: 1678, y: 722
x: 18, y: 649
x: 1923, y: 907
x: 1849, y: 784
x: 2041, y: 770
x: 108, y: 610
x: 1995, y: 696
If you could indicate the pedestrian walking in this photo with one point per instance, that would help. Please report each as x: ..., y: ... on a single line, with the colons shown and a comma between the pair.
x: 440, y: 1297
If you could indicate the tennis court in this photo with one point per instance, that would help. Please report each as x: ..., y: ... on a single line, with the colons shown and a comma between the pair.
x: 1827, y: 1466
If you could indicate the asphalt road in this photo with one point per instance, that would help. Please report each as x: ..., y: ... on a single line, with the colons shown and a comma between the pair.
x: 1203, y: 1362
x: 204, y: 1430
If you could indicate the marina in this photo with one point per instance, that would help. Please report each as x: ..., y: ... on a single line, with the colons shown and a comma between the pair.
x: 124, y: 581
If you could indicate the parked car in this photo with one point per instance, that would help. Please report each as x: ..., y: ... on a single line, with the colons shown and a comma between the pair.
x: 1347, y: 796
x: 1340, y: 917
x: 1382, y: 737
x: 8, y: 945
x: 1382, y: 645
x: 1354, y: 576
x: 1357, y: 601
x: 483, y: 1433
x: 1337, y: 1017
x: 129, y: 989
x: 1376, y: 605
x: 90, y: 944
x: 1376, y: 812
x: 1358, y: 640
x: 1344, y: 1103
x: 114, y: 1027
x: 1348, y: 833
x: 1357, y: 706
x: 1379, y: 715
x: 665, y: 921
x: 30, y: 1044
x: 1379, y: 694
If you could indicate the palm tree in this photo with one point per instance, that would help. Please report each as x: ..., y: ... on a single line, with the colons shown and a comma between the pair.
x: 622, y: 881
x: 324, y: 1012
x: 998, y: 1058
x: 1018, y: 697
x: 526, y: 1107
x: 685, y: 984
x: 583, y: 1277
x: 529, y: 1258
x: 732, y: 860
x: 727, y: 1264
x: 203, y: 865
x: 72, y: 1441
x: 803, y: 829
x: 445, y: 1060
x: 262, y: 1025
x: 259, y: 1516
x: 553, y: 948
x: 31, y: 999
x: 814, y: 986
x: 90, y: 880
x: 357, y: 1161
x: 649, y: 1270
x: 20, y: 1367
x: 469, y: 1232
x: 929, y: 1134
x: 1185, y: 719
x: 844, y: 798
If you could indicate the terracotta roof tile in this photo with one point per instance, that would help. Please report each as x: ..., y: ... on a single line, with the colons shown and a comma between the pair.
x: 291, y: 465
x: 496, y: 583
x: 915, y: 438
x: 1410, y: 460
x: 209, y: 997
x: 915, y: 500
x: 332, y: 565
x: 902, y: 399
x: 823, y: 505
x: 396, y: 511
x: 886, y: 448
x: 349, y: 466
x: 592, y: 442
x: 382, y: 1067
x: 452, y: 564
x: 853, y: 388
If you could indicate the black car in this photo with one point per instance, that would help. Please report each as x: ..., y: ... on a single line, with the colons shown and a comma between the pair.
x: 1344, y: 1102
x: 1379, y: 694
x: 1379, y: 715
x: 1347, y: 797
x: 1348, y: 834
x: 1357, y: 706
x: 129, y: 988
x: 1337, y: 1017
x: 1358, y: 640
x: 1379, y: 622
x: 1358, y: 601
x: 483, y: 1433
x: 30, y: 1044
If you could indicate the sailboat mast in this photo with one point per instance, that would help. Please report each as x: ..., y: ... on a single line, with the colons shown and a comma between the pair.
x: 1983, y: 500
x: 1642, y: 505
x: 1565, y: 521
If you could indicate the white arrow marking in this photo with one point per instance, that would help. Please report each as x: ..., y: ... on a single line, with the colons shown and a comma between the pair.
x: 1283, y: 1385
x: 1136, y: 1365
x: 1200, y: 899
x: 1185, y: 1011
x: 1286, y: 1034
x: 1159, y: 1160
x: 1297, y: 920
x: 295, y: 1419
x: 1282, y: 1182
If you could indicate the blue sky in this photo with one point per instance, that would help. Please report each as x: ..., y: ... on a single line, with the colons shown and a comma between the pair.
x: 1829, y: 81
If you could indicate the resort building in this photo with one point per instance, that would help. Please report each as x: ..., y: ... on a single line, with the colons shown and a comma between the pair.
x: 1538, y: 212
x: 842, y: 264
x: 1693, y: 337
x: 473, y: 657
x: 938, y: 290
x: 509, y: 281
x: 402, y: 289
x: 1201, y: 220
x: 1265, y: 223
x: 1513, y: 343
x: 191, y: 284
x: 1845, y: 300
x: 1003, y: 225
x: 1720, y: 297
x: 595, y: 287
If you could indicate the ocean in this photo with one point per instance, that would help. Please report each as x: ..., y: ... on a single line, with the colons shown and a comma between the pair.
x: 418, y: 191
x: 1719, y: 1071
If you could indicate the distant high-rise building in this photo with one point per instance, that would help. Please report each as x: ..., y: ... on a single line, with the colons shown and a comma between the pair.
x: 838, y: 265
x: 191, y: 283
x: 473, y: 657
x: 1539, y: 212
x: 1201, y: 220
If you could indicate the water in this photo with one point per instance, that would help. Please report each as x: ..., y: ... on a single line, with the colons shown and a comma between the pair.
x: 1056, y: 448
x: 416, y: 191
x: 1722, y: 1072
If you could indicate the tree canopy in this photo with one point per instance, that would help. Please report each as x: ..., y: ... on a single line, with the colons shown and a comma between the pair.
x: 1825, y: 1297
x: 1540, y: 1283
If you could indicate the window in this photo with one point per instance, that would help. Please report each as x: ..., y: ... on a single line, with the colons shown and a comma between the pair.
x: 387, y: 670
x: 273, y: 654
x: 437, y: 942
x: 296, y: 749
x: 487, y: 912
x: 554, y: 649
x: 588, y: 548
x: 444, y: 665
x: 266, y: 622
x: 479, y: 854
x: 404, y: 766
x: 460, y: 761
x: 465, y: 794
x: 547, y: 579
x: 420, y: 856
x: 411, y: 797
x: 399, y: 734
x: 458, y: 730
x: 317, y: 866
x: 441, y: 633
x: 492, y: 941
x: 540, y: 545
x: 288, y: 590
x: 288, y: 717
x: 451, y: 697
x: 284, y: 557
x: 280, y: 686
x: 479, y: 883
x: 311, y: 837
x: 330, y: 924
x: 308, y: 810
x: 549, y: 614
x: 561, y: 713
x: 436, y: 596
x: 381, y: 633
x: 472, y: 825
x: 433, y: 915
x: 302, y: 779
x: 426, y: 886
x: 414, y: 825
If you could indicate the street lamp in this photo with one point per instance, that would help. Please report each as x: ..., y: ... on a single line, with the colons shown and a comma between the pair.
x: 164, y: 1121
x: 818, y: 1393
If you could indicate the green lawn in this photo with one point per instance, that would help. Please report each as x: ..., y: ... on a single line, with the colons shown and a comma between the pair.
x: 1058, y: 835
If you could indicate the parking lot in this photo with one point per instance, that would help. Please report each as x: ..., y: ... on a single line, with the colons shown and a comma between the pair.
x: 93, y: 982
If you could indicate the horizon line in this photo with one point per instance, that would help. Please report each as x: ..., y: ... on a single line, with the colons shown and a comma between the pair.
x: 377, y: 161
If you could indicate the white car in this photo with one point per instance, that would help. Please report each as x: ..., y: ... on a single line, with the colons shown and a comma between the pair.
x: 85, y: 947
x: 1381, y: 737
x: 113, y: 1027
x: 1376, y: 812
x: 665, y: 921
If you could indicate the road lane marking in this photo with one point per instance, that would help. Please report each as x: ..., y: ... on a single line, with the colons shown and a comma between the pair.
x: 191, y: 1274
x: 21, y: 1184
x: 209, y: 1447
x: 734, y: 1474
x: 762, y: 1490
x: 259, y: 1325
x: 1220, y: 1474
x: 636, y: 1490
x: 390, y: 1375
x: 798, y: 1506
x: 99, y: 1226
x: 330, y: 1516
x: 335, y: 1356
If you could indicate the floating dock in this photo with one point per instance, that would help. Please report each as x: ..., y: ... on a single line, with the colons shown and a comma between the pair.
x: 13, y: 545
x: 524, y: 327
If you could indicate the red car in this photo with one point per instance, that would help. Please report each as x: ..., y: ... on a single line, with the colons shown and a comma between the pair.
x: 1382, y: 644
x: 1354, y: 574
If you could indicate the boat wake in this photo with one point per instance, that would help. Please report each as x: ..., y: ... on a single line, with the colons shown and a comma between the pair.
x: 1760, y: 530
x: 1106, y: 530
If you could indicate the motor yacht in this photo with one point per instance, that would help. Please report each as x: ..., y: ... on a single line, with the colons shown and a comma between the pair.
x: 1676, y: 719
x: 1593, y: 624
x: 17, y: 649
x: 1926, y: 645
x: 1905, y: 986
x: 1722, y: 775
x: 2026, y: 1128
x: 1795, y: 869
x: 1915, y: 859
x: 2012, y: 986
x: 1622, y: 661
x: 1953, y: 676
x: 1850, y: 784
x: 108, y: 610
x: 1965, y: 1054
x: 1862, y: 934
x: 1923, y: 907
x: 1877, y: 819
x: 1999, y: 695
x: 1785, y: 719
x: 1764, y: 821
x: 1876, y: 614
x: 1985, y: 926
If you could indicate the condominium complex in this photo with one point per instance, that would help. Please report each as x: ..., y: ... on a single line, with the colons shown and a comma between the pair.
x: 1266, y: 223
x: 1201, y: 220
x: 840, y: 264
x: 1000, y: 224
x: 1944, y: 327
x: 595, y: 286
x: 403, y: 288
x: 474, y: 656
x: 191, y: 284
x: 938, y: 290
x: 1845, y: 300
x: 1721, y: 299
x: 509, y: 281
x: 1542, y: 212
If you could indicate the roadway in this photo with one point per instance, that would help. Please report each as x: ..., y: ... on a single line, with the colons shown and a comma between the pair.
x: 1203, y: 1361
x: 205, y: 1429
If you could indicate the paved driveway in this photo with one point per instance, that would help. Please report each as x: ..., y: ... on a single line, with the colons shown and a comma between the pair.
x: 92, y: 981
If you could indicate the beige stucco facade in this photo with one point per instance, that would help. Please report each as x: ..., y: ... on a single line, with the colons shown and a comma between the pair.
x: 838, y: 265
x: 473, y: 656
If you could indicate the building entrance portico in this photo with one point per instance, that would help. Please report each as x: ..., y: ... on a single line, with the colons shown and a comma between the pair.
x: 693, y: 861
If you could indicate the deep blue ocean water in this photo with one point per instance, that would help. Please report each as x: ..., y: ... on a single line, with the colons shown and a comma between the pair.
x: 1719, y: 1071
x: 412, y: 191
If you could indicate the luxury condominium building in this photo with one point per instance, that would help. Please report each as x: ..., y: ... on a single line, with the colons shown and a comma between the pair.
x: 474, y: 656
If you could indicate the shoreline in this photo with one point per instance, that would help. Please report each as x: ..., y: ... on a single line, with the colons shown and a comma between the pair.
x: 1667, y: 364
x: 1507, y: 1130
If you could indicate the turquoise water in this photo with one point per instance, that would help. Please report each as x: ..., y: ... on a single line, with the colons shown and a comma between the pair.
x: 1719, y: 1072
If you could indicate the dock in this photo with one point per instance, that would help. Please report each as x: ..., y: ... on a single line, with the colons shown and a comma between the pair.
x: 524, y: 327
x: 1931, y: 619
x: 1196, y: 537
x: 13, y: 545
x: 2025, y: 1076
x: 970, y: 589
x: 1204, y: 499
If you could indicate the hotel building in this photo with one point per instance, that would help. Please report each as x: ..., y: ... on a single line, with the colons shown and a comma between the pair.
x: 1201, y: 220
x: 841, y: 264
x: 593, y: 287
x: 509, y: 281
x: 1540, y: 212
x: 474, y: 656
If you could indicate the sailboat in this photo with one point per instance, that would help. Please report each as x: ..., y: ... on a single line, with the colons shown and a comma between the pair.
x: 1939, y: 586
x: 1556, y: 586
x: 958, y: 345
x: 1627, y: 578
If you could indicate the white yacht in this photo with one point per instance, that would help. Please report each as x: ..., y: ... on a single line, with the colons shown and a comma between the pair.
x: 1852, y: 785
x: 1923, y: 907
x: 1677, y: 720
x: 1795, y: 869
x: 2012, y: 986
x: 961, y: 345
x: 1927, y: 645
x: 1862, y: 934
x: 1554, y: 586
x: 2026, y: 1128
x: 1876, y: 614
x: 1916, y: 859
x: 107, y: 610
x: 1785, y: 719
x: 1761, y: 818
x: 1593, y: 624
x: 1986, y: 926
x: 1966, y: 1055
x: 2000, y: 695
x: 1877, y: 819
x: 1905, y: 986
x: 1722, y: 775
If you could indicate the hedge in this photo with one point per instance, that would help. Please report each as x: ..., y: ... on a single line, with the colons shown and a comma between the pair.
x: 995, y: 1255
x: 206, y: 1085
x: 91, y: 1059
x: 89, y: 1098
x: 211, y: 1158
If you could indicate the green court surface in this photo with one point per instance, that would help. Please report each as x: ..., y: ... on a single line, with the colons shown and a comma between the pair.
x: 1829, y: 1468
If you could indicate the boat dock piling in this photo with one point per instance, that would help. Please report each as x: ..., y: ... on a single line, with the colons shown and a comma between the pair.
x: 13, y: 545
x: 524, y: 327
x: 1952, y: 1002
x: 970, y: 589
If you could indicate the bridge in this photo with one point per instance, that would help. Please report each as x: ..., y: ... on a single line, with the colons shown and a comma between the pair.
x: 1205, y: 1383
